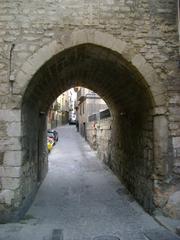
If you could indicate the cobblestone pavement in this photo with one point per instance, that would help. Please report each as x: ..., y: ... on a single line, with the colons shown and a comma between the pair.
x: 81, y: 199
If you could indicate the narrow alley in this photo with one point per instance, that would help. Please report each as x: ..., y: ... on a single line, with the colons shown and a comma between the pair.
x: 81, y: 199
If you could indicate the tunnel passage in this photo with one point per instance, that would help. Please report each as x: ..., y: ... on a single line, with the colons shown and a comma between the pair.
x: 128, y: 97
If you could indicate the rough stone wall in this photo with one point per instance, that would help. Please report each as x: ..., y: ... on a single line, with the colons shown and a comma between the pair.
x: 99, y: 136
x: 134, y: 151
x: 11, y: 164
x: 34, y: 150
x: 148, y: 26
x: 130, y: 157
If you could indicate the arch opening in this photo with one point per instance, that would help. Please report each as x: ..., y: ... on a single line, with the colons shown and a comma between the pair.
x: 130, y: 153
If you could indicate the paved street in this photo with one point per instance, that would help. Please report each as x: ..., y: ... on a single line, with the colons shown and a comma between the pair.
x: 81, y: 199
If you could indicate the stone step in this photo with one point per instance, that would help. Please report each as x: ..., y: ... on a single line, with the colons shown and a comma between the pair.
x: 160, y: 234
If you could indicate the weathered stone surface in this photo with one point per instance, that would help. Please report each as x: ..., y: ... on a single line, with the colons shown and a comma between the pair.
x: 14, y: 129
x: 160, y: 234
x: 1, y: 158
x: 161, y: 143
x: 6, y: 197
x: 3, y: 129
x: 12, y: 158
x: 176, y: 142
x: 129, y: 53
x: 8, y: 144
x: 4, y: 89
x: 11, y: 171
x: 10, y: 115
x: 9, y: 183
x: 173, y: 205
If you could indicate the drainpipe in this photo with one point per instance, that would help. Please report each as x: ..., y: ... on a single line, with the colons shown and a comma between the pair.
x: 11, y: 76
x: 178, y: 7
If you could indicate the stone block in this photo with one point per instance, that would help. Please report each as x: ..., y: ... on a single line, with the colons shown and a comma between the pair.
x: 6, y: 18
x: 66, y: 40
x: 160, y: 143
x: 14, y: 129
x: 10, y: 144
x: 119, y: 46
x: 6, y: 196
x: 176, y: 142
x: 161, y: 132
x: 21, y: 79
x: 15, y: 100
x: 79, y: 37
x: 160, y: 110
x: 43, y: 54
x: 13, y: 158
x: 10, y: 171
x: 173, y: 205
x: 3, y: 129
x: 160, y: 98
x: 175, y: 198
x: 103, y: 39
x: 4, y: 89
x: 10, y: 183
x: 174, y: 99
x: 10, y: 115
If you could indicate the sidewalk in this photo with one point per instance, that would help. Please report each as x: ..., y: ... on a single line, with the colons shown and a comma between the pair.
x: 81, y: 199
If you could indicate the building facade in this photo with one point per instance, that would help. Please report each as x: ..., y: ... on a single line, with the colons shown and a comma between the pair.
x: 72, y: 105
x: 88, y: 102
x: 58, y: 113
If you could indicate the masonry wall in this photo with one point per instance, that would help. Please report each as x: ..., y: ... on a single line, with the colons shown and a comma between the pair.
x: 148, y: 27
x: 99, y: 137
x: 128, y: 152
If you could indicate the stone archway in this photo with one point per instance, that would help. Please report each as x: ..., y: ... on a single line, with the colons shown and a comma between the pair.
x: 149, y: 94
x: 106, y: 40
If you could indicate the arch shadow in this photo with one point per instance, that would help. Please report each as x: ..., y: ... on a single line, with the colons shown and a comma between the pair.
x: 124, y: 80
